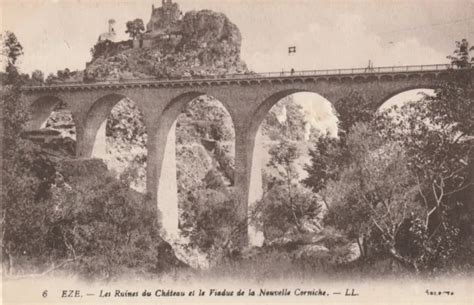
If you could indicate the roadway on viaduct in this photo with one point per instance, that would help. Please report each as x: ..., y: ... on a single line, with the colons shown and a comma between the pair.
x: 247, y: 98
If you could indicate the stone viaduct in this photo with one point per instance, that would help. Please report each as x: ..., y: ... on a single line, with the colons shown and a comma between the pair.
x: 247, y: 98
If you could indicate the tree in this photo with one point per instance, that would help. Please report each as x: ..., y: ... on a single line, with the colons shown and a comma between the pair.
x: 11, y: 48
x: 437, y: 135
x: 285, y: 120
x: 101, y: 226
x: 101, y: 48
x: 330, y: 155
x: 286, y: 206
x: 14, y: 110
x: 352, y: 109
x: 135, y: 28
x: 435, y: 139
x: 63, y: 74
x: 413, y: 205
x: 374, y: 192
x: 209, y: 220
x: 280, y: 213
x: 461, y: 59
x: 327, y: 158
x: 282, y: 158
x: 26, y: 172
x: 37, y: 77
x: 50, y: 79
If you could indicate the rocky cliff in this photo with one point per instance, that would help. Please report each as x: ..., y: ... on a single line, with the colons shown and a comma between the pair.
x: 207, y: 44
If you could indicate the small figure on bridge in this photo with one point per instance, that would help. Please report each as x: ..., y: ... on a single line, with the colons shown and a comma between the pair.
x: 370, y: 66
x: 292, y: 71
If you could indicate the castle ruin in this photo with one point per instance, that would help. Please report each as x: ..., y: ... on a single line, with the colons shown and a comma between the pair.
x: 110, y: 34
x: 165, y: 19
x: 165, y: 22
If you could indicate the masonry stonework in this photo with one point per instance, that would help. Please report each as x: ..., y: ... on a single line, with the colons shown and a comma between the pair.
x: 247, y: 100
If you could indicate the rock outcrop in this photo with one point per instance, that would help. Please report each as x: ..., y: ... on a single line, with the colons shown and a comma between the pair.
x: 208, y: 44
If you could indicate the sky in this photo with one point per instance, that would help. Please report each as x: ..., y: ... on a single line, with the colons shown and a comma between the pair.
x: 327, y: 34
x: 58, y: 34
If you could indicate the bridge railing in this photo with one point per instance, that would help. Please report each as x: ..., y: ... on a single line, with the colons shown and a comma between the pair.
x: 253, y: 75
x: 368, y: 70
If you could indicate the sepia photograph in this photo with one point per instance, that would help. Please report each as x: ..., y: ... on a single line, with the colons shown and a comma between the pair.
x: 237, y: 151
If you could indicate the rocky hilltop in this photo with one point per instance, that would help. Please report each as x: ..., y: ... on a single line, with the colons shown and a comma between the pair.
x: 198, y: 44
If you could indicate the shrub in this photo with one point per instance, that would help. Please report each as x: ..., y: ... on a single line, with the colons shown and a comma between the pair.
x: 209, y: 219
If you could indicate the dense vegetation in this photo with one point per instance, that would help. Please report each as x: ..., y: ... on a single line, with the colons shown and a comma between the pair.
x: 401, y: 182
x: 69, y: 215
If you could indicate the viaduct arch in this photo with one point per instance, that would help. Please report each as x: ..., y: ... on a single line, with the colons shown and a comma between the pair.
x: 41, y: 110
x: 247, y: 98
